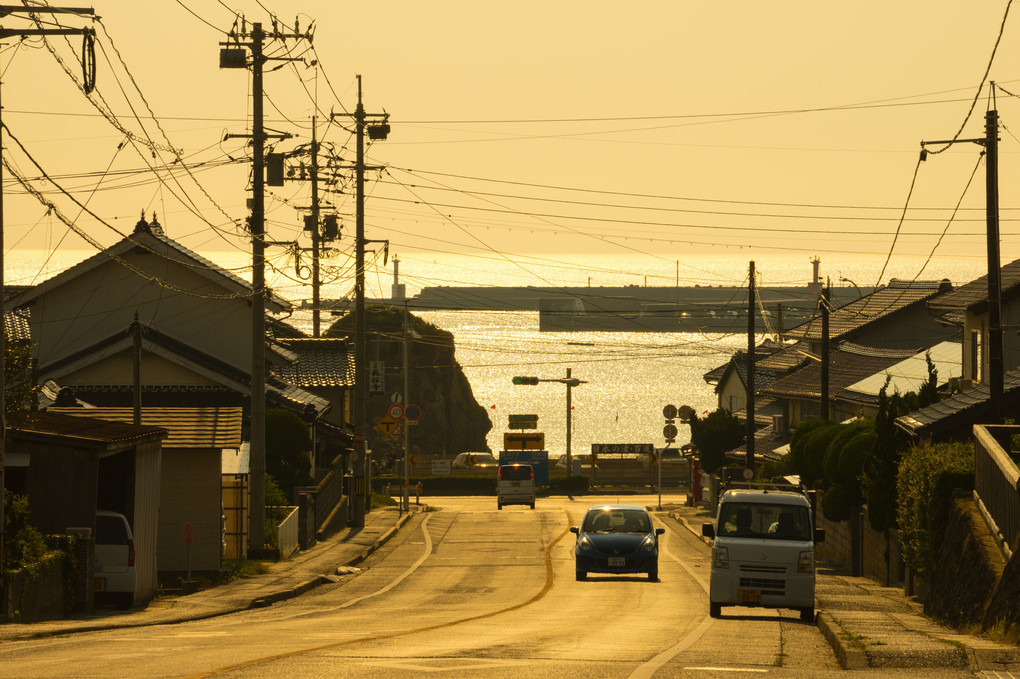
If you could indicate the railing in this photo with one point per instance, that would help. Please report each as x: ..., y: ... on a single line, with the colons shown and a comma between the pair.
x: 997, y: 483
x: 287, y: 534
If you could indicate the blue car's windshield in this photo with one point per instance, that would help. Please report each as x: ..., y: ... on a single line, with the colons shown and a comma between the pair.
x: 617, y: 521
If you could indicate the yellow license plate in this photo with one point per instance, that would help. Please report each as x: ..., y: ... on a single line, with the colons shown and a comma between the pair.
x: 749, y: 596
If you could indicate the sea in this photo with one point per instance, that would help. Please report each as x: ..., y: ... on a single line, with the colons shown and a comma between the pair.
x: 626, y: 378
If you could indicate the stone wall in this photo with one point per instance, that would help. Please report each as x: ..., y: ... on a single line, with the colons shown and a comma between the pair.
x: 838, y: 548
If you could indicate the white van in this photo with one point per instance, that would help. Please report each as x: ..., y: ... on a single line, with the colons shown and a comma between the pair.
x: 113, y: 562
x: 763, y: 551
x: 516, y: 485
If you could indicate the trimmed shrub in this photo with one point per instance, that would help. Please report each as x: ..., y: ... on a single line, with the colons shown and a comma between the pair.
x: 837, y: 501
x: 808, y: 447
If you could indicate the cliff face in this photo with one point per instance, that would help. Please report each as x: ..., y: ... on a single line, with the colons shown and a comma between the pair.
x: 451, y: 420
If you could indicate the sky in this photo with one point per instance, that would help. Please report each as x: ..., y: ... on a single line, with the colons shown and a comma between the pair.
x: 666, y: 131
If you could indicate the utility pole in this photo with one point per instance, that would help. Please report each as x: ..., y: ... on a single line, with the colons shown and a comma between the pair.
x: 825, y: 352
x: 89, y: 75
x: 990, y: 142
x: 749, y: 410
x: 232, y: 55
x: 377, y: 128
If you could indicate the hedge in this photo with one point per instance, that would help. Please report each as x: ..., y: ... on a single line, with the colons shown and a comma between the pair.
x: 925, y: 483
x: 476, y: 485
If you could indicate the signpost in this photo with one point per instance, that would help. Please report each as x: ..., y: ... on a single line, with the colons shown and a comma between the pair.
x: 523, y: 422
x: 531, y: 441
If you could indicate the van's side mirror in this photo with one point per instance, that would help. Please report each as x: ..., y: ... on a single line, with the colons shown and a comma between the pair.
x: 819, y: 535
x: 660, y: 531
x: 708, y: 530
x: 574, y: 529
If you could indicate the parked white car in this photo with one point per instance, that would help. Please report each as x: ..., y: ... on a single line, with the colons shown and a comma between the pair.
x: 114, y: 560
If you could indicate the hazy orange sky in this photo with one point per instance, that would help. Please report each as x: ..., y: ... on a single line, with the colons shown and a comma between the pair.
x: 663, y: 128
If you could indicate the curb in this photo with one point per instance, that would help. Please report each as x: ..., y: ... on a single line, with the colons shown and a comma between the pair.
x: 849, y: 658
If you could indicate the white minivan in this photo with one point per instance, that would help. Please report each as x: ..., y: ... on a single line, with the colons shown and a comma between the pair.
x: 763, y: 551
x: 516, y: 485
x: 113, y: 566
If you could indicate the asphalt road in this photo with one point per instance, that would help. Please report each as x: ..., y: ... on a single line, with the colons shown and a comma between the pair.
x: 469, y: 591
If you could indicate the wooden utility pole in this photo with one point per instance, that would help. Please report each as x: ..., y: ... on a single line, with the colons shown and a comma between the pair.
x: 232, y: 55
x: 749, y: 409
x: 995, y: 358
x: 89, y: 74
x: 825, y: 352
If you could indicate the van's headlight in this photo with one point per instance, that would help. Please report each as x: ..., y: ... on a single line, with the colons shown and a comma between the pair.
x: 649, y: 544
x: 805, y: 562
x: 720, y: 557
x: 584, y: 544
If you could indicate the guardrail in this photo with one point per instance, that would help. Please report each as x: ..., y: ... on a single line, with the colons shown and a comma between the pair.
x: 287, y: 533
x: 997, y: 483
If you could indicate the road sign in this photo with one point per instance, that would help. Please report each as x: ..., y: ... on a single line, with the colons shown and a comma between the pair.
x: 684, y: 413
x: 189, y: 532
x: 669, y: 412
x: 395, y: 411
x: 669, y: 432
x: 627, y: 448
x: 531, y: 441
x: 538, y: 459
x: 377, y: 376
x: 412, y: 412
x: 389, y: 426
x: 523, y: 422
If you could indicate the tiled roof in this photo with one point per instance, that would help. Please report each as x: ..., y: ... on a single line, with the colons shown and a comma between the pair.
x: 278, y: 391
x: 86, y: 429
x: 163, y: 246
x: 846, y: 366
x: 321, y: 362
x: 970, y: 405
x: 894, y: 297
x: 16, y: 325
x: 974, y: 295
x: 187, y: 427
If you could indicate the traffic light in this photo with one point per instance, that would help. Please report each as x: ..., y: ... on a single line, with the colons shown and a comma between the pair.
x: 525, y: 380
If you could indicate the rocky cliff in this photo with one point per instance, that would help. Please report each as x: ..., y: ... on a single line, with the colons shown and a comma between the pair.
x: 451, y: 420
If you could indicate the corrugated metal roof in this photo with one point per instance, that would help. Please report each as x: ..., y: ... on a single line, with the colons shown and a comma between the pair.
x: 911, y: 374
x: 85, y: 428
x: 187, y: 427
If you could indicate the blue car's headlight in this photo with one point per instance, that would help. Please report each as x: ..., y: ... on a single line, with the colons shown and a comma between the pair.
x: 648, y: 545
x: 584, y: 544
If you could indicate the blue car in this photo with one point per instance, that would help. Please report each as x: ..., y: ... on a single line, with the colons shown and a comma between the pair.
x: 617, y: 539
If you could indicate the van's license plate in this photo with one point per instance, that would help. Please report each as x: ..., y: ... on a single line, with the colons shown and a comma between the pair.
x: 617, y: 562
x: 749, y: 596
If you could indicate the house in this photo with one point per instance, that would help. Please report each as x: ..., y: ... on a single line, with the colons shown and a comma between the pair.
x: 966, y: 309
x: 953, y: 418
x: 71, y: 466
x: 893, y: 317
x: 190, y: 479
x: 147, y: 316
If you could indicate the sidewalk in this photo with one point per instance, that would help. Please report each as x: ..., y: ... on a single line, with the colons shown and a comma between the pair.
x: 869, y: 625
x: 287, y: 579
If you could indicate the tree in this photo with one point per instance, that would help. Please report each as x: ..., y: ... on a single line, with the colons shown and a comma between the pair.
x: 719, y: 432
x: 19, y: 388
x: 288, y: 446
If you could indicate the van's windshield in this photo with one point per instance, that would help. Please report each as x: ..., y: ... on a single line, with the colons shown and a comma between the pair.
x: 762, y: 520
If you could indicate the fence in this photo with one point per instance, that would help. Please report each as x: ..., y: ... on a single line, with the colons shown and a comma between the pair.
x: 287, y: 533
x: 997, y: 483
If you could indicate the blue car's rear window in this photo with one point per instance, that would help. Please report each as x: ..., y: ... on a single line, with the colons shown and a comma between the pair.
x: 617, y: 521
